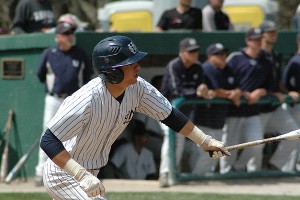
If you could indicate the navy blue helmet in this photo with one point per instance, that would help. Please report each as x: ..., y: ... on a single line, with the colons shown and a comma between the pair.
x: 113, y: 52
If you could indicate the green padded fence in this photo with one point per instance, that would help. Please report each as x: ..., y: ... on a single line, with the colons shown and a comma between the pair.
x: 177, y: 177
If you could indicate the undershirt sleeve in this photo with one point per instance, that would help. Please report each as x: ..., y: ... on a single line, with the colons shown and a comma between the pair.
x: 176, y: 120
x: 50, y: 144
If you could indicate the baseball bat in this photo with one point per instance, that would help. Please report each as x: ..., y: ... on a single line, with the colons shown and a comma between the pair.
x: 16, y: 169
x: 293, y: 135
x: 4, y: 163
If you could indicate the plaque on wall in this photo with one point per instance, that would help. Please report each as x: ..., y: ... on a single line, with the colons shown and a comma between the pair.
x: 12, y: 68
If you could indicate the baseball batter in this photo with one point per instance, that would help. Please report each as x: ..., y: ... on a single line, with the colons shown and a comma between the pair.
x: 79, y: 137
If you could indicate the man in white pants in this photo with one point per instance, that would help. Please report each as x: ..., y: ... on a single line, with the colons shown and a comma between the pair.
x: 277, y: 119
x: 63, y: 69
x: 183, y: 76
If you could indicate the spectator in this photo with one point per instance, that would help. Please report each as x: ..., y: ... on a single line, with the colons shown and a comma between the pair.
x: 211, y: 117
x: 183, y: 17
x: 183, y: 76
x: 276, y: 118
x: 254, y: 75
x: 63, y: 69
x: 213, y: 18
x: 291, y: 80
x: 133, y: 159
x: 33, y: 16
x: 74, y: 20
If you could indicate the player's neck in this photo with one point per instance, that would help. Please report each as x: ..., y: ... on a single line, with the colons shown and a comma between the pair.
x: 116, y: 90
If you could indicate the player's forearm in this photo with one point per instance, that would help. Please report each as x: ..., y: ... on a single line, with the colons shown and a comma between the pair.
x: 193, y: 133
x: 61, y: 159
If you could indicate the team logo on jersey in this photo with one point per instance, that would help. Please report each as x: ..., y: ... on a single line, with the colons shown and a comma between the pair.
x: 132, y: 48
x: 252, y: 62
x: 75, y: 63
x: 230, y: 80
x: 293, y: 81
x: 129, y: 116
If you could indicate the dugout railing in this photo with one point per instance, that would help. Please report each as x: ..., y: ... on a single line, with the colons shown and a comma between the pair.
x: 176, y: 176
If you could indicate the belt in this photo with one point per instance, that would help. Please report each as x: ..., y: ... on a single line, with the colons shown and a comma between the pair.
x: 59, y: 95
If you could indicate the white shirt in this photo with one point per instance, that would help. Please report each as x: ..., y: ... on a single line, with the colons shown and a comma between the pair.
x: 89, y: 121
x: 132, y: 164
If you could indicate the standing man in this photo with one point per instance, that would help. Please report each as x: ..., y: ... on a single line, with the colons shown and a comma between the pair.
x: 79, y: 137
x: 254, y: 75
x: 183, y: 77
x: 211, y: 117
x: 183, y: 17
x: 63, y: 69
x: 213, y: 18
x: 33, y: 16
x: 277, y: 118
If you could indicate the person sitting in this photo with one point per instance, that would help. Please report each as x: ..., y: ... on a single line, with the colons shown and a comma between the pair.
x: 183, y: 17
x: 133, y: 159
x: 33, y: 16
x: 213, y: 18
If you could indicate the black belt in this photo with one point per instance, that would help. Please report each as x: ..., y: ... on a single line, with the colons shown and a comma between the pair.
x: 58, y: 95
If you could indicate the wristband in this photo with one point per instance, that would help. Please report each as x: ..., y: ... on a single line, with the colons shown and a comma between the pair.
x: 74, y: 169
x: 197, y: 136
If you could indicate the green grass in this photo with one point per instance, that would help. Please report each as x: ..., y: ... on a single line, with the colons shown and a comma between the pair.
x: 153, y: 196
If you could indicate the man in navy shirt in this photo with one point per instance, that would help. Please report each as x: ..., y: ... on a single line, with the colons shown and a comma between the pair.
x: 276, y: 118
x: 63, y: 69
x: 183, y: 17
x: 211, y: 117
x: 254, y: 75
x: 183, y: 77
x: 291, y: 80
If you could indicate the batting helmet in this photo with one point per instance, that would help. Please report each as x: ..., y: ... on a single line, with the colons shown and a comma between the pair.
x: 113, y: 52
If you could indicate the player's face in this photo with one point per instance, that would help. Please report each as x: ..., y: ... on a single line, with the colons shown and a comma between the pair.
x: 218, y: 60
x: 254, y: 44
x: 270, y: 37
x: 189, y: 57
x: 65, y: 42
x: 131, y: 73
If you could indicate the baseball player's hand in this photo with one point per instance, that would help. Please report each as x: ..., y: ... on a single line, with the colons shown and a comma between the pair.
x: 89, y: 183
x: 215, y: 148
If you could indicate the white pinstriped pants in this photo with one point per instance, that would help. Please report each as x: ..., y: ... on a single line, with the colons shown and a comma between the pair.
x: 281, y: 120
x: 62, y: 186
x: 51, y: 106
x: 240, y: 130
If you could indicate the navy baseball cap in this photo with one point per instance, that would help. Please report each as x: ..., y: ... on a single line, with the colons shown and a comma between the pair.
x: 65, y: 28
x: 268, y: 26
x: 189, y: 44
x: 215, y: 49
x: 254, y: 33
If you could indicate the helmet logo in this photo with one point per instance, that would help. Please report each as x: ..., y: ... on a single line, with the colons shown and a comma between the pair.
x: 132, y: 48
x: 106, y: 60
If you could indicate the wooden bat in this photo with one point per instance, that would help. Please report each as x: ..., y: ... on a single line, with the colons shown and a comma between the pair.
x: 16, y: 169
x: 4, y: 163
x: 293, y: 135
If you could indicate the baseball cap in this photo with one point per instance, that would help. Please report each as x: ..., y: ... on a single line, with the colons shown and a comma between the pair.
x: 268, y: 26
x: 254, y: 33
x: 188, y: 44
x: 215, y: 48
x: 65, y: 28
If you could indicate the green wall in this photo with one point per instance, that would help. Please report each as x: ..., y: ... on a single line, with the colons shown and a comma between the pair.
x: 26, y: 96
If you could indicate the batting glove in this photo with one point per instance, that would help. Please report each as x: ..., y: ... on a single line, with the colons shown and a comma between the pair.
x: 215, y: 148
x: 89, y: 183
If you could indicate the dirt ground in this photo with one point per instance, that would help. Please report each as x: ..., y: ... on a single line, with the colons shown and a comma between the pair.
x: 266, y: 186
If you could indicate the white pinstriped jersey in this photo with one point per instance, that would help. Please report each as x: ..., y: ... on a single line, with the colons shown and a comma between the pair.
x: 89, y: 121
